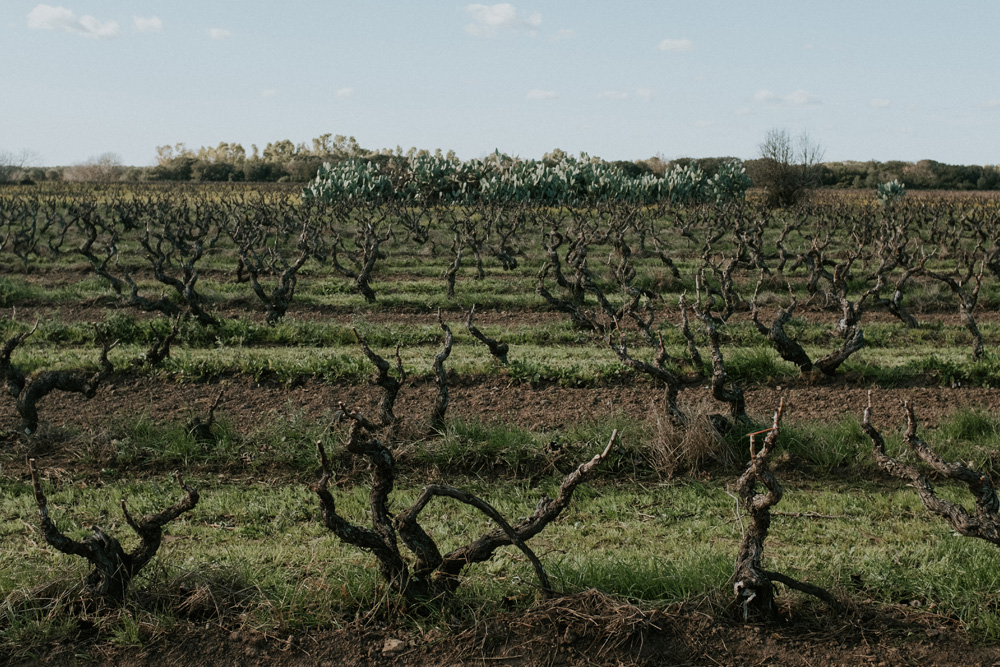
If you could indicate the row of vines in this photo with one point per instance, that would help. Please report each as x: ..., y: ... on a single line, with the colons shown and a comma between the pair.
x: 656, y: 271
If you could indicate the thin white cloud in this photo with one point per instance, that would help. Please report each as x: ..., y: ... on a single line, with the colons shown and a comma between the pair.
x: 798, y: 98
x: 47, y: 17
x: 219, y: 33
x: 151, y: 24
x: 269, y: 92
x: 879, y: 103
x: 538, y: 94
x: 488, y: 20
x: 991, y: 104
x: 345, y: 93
x: 562, y: 35
x: 645, y: 94
x: 676, y: 45
x: 613, y: 95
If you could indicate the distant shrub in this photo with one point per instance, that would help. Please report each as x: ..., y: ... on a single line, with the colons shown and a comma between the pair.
x: 890, y: 192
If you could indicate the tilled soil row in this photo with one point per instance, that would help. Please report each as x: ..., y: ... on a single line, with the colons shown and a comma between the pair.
x: 249, y: 404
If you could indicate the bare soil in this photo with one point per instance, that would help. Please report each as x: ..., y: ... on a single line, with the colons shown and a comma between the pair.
x: 588, y: 628
x: 488, y: 399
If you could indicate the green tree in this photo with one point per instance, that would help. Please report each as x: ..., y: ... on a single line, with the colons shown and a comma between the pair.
x: 279, y: 151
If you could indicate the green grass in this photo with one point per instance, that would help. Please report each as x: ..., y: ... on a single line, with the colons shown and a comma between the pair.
x: 262, y: 550
x: 287, y: 441
x: 14, y: 290
x: 826, y: 446
x: 758, y: 365
x: 479, y: 447
x: 551, y: 351
x: 257, y: 557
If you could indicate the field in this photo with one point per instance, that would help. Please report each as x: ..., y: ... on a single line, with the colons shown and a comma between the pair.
x: 223, y: 332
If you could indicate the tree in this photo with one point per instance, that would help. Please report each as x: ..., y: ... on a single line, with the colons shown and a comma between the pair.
x: 13, y: 166
x: 787, y: 168
x: 279, y: 151
x: 178, y: 168
x: 105, y: 168
x: 203, y: 170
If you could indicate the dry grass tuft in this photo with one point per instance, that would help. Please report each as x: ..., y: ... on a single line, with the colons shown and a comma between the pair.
x: 672, y: 449
x: 588, y: 624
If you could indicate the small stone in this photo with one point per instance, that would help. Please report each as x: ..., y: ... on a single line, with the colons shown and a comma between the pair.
x: 393, y: 646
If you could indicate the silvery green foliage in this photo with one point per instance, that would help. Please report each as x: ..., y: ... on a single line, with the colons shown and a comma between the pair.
x: 890, y: 192
x: 436, y: 179
x: 500, y: 179
x: 355, y: 181
x: 730, y: 182
x: 684, y: 185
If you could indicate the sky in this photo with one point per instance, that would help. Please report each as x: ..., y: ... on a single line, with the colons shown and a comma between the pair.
x: 625, y: 80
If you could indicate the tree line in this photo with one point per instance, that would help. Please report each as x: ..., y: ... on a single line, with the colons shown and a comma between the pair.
x: 286, y: 161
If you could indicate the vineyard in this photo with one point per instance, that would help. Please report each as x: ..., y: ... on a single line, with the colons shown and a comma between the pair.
x: 439, y: 412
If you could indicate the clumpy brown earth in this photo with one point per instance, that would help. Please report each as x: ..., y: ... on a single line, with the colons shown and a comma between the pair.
x: 487, y: 399
x: 588, y: 628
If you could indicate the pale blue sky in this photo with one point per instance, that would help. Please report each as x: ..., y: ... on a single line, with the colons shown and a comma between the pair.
x: 877, y: 80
